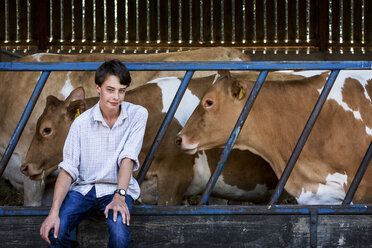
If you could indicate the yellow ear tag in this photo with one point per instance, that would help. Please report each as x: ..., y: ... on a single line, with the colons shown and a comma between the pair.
x: 77, y: 113
x: 241, y: 93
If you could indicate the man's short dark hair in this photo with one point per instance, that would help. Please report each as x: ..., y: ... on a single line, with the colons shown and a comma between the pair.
x: 112, y: 67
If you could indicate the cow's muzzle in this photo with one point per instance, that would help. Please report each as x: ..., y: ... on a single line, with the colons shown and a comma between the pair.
x: 28, y: 169
x: 182, y: 144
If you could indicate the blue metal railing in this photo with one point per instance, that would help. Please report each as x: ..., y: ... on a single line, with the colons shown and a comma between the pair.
x: 190, y: 68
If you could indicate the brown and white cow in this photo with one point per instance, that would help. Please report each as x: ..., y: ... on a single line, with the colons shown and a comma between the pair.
x: 16, y: 88
x: 187, y: 174
x: 335, y: 147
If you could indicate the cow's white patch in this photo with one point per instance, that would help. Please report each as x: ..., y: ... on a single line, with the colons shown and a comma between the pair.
x: 223, y: 189
x: 336, y: 93
x: 341, y: 240
x: 309, y: 73
x: 202, y: 174
x: 215, y: 78
x: 369, y: 131
x: 12, y: 172
x: 330, y: 193
x: 37, y: 56
x: 67, y: 87
x: 169, y: 87
x: 346, y: 108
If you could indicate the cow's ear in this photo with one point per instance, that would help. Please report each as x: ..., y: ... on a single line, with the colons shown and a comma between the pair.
x: 75, y: 108
x: 52, y: 101
x: 76, y: 94
x: 224, y: 73
x: 238, y: 90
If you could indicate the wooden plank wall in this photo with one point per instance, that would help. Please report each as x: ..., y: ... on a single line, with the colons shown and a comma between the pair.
x: 204, y: 231
x: 165, y: 24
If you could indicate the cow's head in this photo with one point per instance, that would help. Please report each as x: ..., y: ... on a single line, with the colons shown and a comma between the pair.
x: 45, y: 151
x: 212, y: 121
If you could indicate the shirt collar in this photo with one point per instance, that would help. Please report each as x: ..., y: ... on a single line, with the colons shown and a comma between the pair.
x: 97, y: 114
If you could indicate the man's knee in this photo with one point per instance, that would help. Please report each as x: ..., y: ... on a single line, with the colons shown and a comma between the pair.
x: 119, y: 233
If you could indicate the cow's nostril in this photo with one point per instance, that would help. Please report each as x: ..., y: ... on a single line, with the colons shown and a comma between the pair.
x: 24, y: 169
x: 179, y: 141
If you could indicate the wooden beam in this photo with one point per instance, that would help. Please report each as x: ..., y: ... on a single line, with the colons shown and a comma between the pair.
x: 43, y: 19
x: 323, y: 25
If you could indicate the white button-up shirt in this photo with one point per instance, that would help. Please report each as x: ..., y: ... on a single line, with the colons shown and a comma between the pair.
x: 93, y: 152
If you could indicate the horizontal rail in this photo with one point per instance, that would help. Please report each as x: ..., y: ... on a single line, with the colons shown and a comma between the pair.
x: 311, y: 210
x: 190, y: 66
x: 215, y: 210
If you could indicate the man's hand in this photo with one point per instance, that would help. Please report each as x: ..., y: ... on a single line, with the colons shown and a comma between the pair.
x: 118, y: 205
x: 52, y: 221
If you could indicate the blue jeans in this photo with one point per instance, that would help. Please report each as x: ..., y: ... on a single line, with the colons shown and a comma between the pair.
x: 76, y: 207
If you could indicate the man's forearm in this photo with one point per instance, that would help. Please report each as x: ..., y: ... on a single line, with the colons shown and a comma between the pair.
x: 125, y: 173
x: 60, y: 190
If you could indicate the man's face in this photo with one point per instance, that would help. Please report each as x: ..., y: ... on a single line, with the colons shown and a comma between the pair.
x: 111, y: 93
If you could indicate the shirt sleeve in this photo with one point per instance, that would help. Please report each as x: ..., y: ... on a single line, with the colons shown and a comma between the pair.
x: 71, y: 152
x: 133, y: 144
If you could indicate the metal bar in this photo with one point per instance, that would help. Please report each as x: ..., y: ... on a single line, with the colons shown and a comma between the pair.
x: 253, y: 210
x: 233, y: 136
x: 190, y: 66
x: 313, y: 228
x: 213, y: 210
x: 358, y: 176
x: 22, y: 122
x: 305, y: 134
x: 164, y: 126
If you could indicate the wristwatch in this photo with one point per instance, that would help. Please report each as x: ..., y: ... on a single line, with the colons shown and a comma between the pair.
x: 121, y: 192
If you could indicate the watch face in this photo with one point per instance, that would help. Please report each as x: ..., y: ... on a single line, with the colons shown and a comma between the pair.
x: 121, y: 192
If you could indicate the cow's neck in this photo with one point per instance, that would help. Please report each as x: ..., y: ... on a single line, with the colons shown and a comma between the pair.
x: 277, y: 120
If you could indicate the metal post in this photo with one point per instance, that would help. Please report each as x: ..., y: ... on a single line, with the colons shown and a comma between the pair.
x: 233, y: 136
x: 164, y: 126
x: 358, y: 176
x: 303, y: 138
x: 23, y: 121
x: 313, y: 228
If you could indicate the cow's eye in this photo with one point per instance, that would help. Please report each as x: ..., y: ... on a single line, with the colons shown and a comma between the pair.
x: 46, y: 131
x: 208, y: 103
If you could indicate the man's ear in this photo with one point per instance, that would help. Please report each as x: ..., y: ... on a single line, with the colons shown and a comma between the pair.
x: 238, y: 90
x: 76, y: 94
x: 75, y: 108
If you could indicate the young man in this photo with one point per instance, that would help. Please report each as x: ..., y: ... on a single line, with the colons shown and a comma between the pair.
x: 99, y: 156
